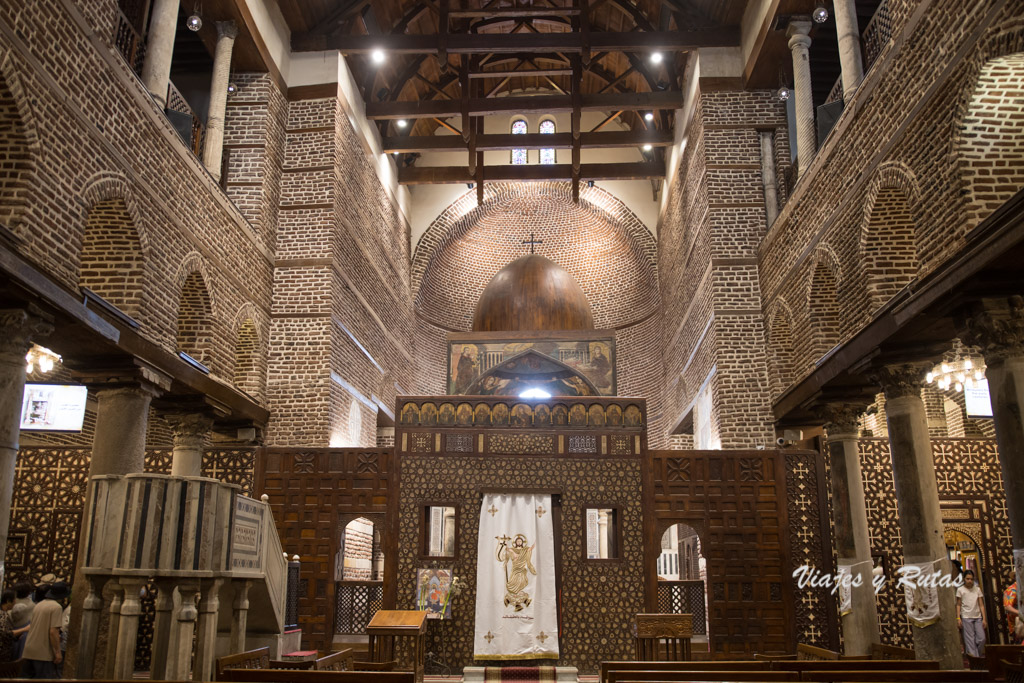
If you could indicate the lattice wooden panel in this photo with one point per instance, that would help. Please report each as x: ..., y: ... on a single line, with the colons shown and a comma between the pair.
x: 736, y: 501
x: 314, y: 493
x: 970, y: 482
x: 684, y: 597
x: 356, y: 603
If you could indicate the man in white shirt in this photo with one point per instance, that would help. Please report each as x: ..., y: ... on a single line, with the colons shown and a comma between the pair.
x: 970, y: 615
x: 42, y: 653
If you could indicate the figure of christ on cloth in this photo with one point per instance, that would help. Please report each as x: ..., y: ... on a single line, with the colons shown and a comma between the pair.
x: 516, y: 579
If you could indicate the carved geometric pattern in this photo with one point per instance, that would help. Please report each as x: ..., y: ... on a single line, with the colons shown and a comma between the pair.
x: 366, y: 463
x: 357, y: 602
x: 458, y: 443
x: 807, y: 545
x: 592, y: 599
x: 622, y: 444
x: 420, y: 442
x: 521, y: 444
x: 582, y: 443
x: 967, y: 473
x: 684, y: 597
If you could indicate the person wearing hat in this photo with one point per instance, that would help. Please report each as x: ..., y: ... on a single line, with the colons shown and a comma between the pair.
x: 42, y: 654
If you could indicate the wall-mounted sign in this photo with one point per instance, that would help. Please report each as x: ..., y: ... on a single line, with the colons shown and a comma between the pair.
x: 53, y: 407
x: 979, y: 404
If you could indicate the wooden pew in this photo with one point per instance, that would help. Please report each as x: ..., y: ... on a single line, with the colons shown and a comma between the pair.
x: 879, y: 651
x: 903, y: 676
x: 313, y: 676
x: 710, y: 665
x: 250, y: 659
x: 811, y: 653
x: 333, y: 661
x: 697, y: 675
x: 858, y: 665
x: 995, y: 654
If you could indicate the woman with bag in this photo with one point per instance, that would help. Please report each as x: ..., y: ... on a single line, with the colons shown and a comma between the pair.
x: 1013, y: 615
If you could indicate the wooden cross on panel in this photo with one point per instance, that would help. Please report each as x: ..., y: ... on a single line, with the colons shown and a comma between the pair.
x: 532, y: 242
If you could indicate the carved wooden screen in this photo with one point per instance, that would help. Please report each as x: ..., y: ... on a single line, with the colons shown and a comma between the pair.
x: 314, y: 493
x: 737, y: 501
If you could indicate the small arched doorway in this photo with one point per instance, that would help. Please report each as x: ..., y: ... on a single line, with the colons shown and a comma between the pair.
x: 682, y: 577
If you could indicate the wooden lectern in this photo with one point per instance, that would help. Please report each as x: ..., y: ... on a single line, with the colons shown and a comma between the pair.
x: 388, y: 624
x: 674, y: 630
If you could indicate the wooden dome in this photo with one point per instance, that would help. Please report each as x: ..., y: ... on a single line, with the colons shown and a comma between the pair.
x: 532, y: 293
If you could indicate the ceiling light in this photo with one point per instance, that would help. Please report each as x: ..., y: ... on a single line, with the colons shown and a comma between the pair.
x: 649, y: 116
x: 647, y: 148
x: 232, y: 88
x: 378, y: 56
x: 395, y: 153
x: 401, y: 123
x: 784, y: 93
x: 534, y: 393
x: 194, y: 22
x: 656, y: 57
x: 820, y: 13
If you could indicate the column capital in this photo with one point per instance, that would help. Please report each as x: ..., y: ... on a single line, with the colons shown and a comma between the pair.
x: 798, y: 32
x: 136, y: 376
x: 901, y: 379
x: 189, y: 429
x: 18, y: 327
x: 227, y: 29
x: 997, y: 327
x: 841, y: 420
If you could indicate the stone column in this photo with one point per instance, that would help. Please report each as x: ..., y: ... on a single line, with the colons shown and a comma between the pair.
x: 92, y: 615
x: 190, y: 431
x: 771, y: 195
x: 179, y: 660
x: 240, y: 615
x: 848, y: 33
x: 17, y: 329
x: 917, y: 499
x: 806, y: 136
x: 602, y: 534
x: 998, y: 328
x: 156, y: 71
x: 163, y: 626
x: 112, y: 631
x: 128, y: 628
x: 213, y: 144
x: 206, y: 635
x: 850, y: 518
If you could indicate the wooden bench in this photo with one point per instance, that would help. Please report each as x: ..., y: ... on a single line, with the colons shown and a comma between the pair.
x: 903, y: 676
x: 341, y: 660
x: 884, y: 652
x: 313, y: 676
x: 995, y: 654
x: 710, y: 665
x: 697, y: 675
x: 250, y: 659
x: 858, y: 665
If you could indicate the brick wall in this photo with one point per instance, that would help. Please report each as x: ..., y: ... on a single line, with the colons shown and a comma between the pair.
x: 926, y: 152
x: 600, y: 242
x: 714, y: 337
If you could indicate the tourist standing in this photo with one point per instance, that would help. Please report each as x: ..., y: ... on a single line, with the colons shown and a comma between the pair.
x: 42, y: 653
x: 8, y: 634
x: 1012, y: 615
x: 970, y: 616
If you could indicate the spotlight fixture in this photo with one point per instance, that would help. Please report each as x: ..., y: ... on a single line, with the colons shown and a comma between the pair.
x: 470, y: 185
x: 647, y: 148
x: 590, y: 183
x: 395, y: 153
x: 784, y: 92
x: 649, y: 116
x: 378, y: 56
x: 656, y: 57
x: 401, y: 123
x: 820, y: 14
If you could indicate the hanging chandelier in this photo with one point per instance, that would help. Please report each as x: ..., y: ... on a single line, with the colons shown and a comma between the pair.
x: 41, y: 357
x: 957, y: 371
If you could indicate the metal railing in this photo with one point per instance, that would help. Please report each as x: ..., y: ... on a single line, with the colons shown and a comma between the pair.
x: 684, y: 597
x: 355, y: 604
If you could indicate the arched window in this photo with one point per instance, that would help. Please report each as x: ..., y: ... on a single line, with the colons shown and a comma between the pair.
x: 547, y: 156
x: 519, y: 156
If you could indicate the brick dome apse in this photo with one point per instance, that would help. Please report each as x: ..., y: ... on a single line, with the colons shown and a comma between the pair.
x: 604, y: 247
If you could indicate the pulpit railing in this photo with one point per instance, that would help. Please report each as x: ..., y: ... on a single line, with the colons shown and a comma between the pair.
x: 355, y: 604
x: 684, y: 597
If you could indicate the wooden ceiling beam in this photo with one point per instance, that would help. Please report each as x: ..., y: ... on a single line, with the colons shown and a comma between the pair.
x: 475, y: 43
x: 540, y: 104
x: 493, y: 142
x: 521, y: 74
x: 516, y: 12
x: 451, y: 175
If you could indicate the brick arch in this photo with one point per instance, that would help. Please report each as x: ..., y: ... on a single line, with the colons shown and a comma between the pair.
x: 823, y: 300
x: 888, y: 239
x: 112, y: 258
x: 19, y: 148
x: 600, y: 242
x: 195, y: 321
x: 780, y: 346
x: 988, y: 140
x: 250, y: 360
